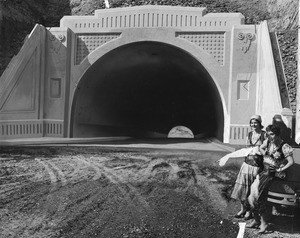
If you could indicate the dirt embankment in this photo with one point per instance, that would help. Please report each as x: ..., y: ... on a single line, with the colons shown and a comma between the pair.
x: 283, y: 14
x: 288, y: 41
x: 111, y: 192
x: 57, y: 192
x: 284, y: 20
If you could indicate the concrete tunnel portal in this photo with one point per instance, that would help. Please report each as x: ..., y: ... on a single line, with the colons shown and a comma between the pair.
x: 144, y: 89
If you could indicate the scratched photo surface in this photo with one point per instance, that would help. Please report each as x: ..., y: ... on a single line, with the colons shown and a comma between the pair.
x: 121, y: 118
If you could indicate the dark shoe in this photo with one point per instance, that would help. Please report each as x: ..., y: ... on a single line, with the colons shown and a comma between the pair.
x: 239, y: 215
x: 253, y: 224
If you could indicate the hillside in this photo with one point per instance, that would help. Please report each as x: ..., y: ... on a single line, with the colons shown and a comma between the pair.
x: 17, y: 18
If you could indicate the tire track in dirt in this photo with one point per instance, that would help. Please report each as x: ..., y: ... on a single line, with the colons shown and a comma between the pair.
x: 53, y: 178
x: 150, y: 167
x: 63, y: 193
x: 84, y: 206
x: 133, y: 190
x: 119, y: 179
x: 62, y: 177
x: 5, y: 187
x: 52, y: 206
x: 12, y: 177
x: 21, y: 222
x: 81, y: 204
x: 192, y: 177
x: 109, y: 174
x: 188, y: 173
x: 96, y: 169
x: 13, y: 183
x: 75, y: 170
x: 89, y: 198
x: 57, y: 201
x: 214, y: 195
x: 15, y: 175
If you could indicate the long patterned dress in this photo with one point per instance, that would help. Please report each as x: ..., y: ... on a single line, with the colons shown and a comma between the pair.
x: 249, y: 169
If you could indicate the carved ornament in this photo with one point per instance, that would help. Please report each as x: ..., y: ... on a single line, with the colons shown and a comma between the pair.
x: 245, y: 40
x: 56, y: 41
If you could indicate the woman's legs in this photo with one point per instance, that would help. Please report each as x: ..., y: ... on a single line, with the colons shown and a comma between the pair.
x: 263, y: 223
x: 256, y: 220
x: 265, y: 216
x: 242, y: 212
x: 248, y: 214
x: 260, y: 222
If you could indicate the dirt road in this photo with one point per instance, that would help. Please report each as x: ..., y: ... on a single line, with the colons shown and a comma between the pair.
x: 114, y: 192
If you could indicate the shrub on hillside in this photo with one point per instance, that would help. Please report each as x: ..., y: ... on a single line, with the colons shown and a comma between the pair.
x: 254, y: 11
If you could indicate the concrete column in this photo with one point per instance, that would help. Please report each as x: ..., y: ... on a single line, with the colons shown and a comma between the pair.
x: 268, y: 101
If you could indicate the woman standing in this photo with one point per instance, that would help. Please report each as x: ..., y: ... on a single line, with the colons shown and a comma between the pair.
x: 250, y: 167
x: 278, y: 156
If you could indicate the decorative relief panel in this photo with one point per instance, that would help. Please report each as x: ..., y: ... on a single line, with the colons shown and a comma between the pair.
x: 149, y: 19
x: 245, y: 40
x: 31, y: 128
x: 87, y: 43
x: 55, y: 87
x: 56, y: 41
x: 238, y: 134
x: 243, y: 89
x: 211, y: 42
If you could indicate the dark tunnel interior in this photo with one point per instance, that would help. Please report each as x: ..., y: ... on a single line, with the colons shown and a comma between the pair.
x: 145, y: 89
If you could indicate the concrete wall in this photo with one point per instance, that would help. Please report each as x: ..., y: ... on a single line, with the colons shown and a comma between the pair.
x: 206, y: 37
x: 20, y: 94
x: 223, y: 46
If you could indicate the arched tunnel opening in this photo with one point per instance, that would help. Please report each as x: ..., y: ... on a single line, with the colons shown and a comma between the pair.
x: 145, y: 89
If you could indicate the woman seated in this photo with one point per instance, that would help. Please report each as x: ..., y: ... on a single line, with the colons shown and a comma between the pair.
x: 278, y: 157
